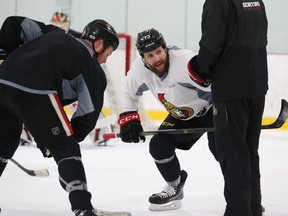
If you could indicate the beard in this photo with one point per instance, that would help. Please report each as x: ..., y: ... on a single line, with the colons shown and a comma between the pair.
x: 164, y: 70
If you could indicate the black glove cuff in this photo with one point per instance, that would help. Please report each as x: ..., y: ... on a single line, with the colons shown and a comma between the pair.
x: 125, y: 113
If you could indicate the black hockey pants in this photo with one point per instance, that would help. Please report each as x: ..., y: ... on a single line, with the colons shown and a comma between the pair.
x: 48, y: 124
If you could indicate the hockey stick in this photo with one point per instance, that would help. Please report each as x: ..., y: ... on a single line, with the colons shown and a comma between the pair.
x: 282, y: 117
x: 111, y: 213
x: 39, y: 172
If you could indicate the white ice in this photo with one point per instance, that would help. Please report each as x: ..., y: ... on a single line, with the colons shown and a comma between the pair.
x: 122, y: 176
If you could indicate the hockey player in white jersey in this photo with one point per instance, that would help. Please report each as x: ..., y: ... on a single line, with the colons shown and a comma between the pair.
x: 164, y: 70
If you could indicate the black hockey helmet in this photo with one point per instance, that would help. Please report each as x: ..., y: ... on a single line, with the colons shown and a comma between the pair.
x: 149, y: 40
x: 101, y: 29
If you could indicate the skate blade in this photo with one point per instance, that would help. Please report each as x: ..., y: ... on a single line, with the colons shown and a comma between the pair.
x: 172, y: 205
x: 111, y: 213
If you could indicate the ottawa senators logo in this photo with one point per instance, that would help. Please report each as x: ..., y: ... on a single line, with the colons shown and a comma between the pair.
x: 181, y: 113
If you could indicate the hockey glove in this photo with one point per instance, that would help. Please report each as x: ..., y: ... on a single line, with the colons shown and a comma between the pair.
x: 46, y: 152
x: 130, y: 127
x: 195, y: 75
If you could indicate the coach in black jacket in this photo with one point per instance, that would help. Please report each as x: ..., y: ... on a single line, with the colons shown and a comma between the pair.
x: 233, y: 57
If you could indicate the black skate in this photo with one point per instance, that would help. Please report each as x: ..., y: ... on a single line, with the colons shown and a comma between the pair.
x: 170, y: 197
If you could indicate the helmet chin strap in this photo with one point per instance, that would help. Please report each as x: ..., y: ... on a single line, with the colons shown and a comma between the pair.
x: 146, y: 64
x: 95, y: 53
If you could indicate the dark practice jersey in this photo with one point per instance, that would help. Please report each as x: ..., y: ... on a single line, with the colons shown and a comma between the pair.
x: 233, y: 48
x: 17, y: 30
x: 59, y: 63
x: 75, y: 33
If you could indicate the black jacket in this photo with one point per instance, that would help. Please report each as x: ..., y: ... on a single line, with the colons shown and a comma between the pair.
x: 233, y: 48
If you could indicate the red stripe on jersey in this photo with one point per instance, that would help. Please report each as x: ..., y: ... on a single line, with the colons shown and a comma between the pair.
x: 63, y: 114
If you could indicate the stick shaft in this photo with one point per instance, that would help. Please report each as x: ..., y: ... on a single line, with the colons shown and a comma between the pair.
x: 168, y: 131
x: 282, y: 117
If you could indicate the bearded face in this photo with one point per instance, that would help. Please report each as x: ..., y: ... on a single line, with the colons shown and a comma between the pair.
x: 157, y: 60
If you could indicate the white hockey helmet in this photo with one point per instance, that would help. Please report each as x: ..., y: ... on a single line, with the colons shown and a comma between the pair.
x: 61, y: 20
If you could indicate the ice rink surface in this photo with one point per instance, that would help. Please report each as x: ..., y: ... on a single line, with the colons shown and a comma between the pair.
x: 122, y: 176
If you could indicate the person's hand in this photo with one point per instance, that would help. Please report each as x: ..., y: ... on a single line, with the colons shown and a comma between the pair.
x: 130, y: 127
x: 46, y: 152
x: 195, y: 75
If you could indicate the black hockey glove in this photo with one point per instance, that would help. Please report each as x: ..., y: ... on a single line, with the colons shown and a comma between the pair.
x: 195, y: 75
x: 130, y: 127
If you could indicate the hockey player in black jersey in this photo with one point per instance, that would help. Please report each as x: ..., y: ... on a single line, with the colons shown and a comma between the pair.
x: 18, y: 30
x: 40, y: 77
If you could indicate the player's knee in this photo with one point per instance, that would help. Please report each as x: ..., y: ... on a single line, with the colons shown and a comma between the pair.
x: 160, y: 148
x: 65, y: 148
x: 7, y: 150
x: 153, y: 149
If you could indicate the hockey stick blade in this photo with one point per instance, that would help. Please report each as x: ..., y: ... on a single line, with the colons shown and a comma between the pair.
x: 38, y: 172
x: 111, y: 213
x: 283, y: 115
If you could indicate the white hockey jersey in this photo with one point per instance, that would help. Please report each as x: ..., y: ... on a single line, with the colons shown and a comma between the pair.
x: 176, y: 91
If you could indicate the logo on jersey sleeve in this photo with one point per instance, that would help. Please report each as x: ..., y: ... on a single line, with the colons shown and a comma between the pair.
x: 182, y: 113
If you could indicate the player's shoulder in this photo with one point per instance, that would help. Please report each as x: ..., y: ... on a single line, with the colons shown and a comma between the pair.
x: 177, y: 51
x: 76, y: 34
x: 138, y: 71
x: 137, y: 64
x: 179, y: 55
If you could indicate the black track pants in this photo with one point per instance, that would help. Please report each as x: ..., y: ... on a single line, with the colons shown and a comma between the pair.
x: 237, y: 129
